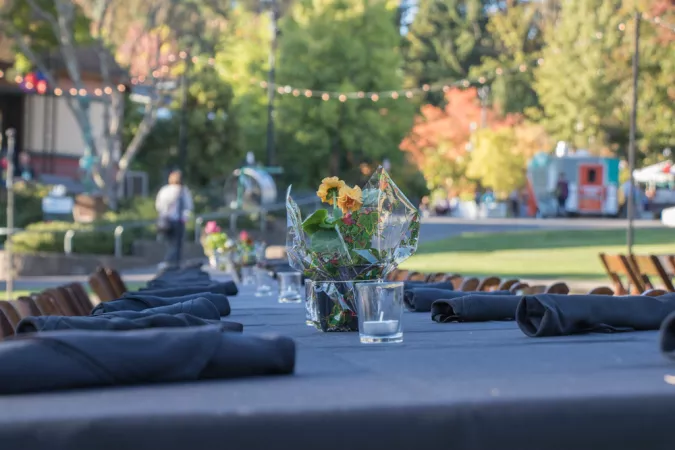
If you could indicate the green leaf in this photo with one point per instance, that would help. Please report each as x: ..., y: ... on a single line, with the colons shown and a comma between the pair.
x: 315, y: 222
x: 325, y: 241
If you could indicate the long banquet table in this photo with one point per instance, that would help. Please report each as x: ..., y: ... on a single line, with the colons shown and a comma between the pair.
x: 448, y: 386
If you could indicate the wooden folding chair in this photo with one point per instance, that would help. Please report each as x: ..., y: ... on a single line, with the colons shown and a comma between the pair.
x: 507, y: 284
x: 533, y: 290
x: 650, y: 265
x: 654, y: 292
x: 101, y: 286
x: 116, y: 282
x: 617, y: 266
x: 10, y: 312
x: 469, y: 285
x: 454, y: 278
x: 435, y: 277
x: 63, y: 301
x: 518, y: 287
x: 27, y: 307
x: 489, y: 284
x: 80, y: 295
x: 417, y: 276
x: 558, y: 288
x: 47, y: 305
x: 601, y: 290
x: 400, y: 275
x: 6, y: 329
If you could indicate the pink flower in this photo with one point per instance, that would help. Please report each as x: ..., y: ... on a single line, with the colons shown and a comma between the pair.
x: 211, y: 227
x: 347, y: 219
x: 244, y: 237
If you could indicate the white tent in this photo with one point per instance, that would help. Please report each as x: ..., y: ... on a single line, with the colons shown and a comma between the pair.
x: 656, y: 173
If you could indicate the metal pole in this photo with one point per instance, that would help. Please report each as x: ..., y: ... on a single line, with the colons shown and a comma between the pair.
x: 11, y: 143
x: 183, y: 130
x: 631, y: 145
x: 483, y: 95
x: 271, y: 88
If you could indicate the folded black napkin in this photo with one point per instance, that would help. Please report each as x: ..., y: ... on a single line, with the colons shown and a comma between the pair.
x: 139, y: 301
x: 668, y: 336
x: 407, y: 285
x: 420, y: 299
x: 559, y: 315
x: 226, y: 288
x: 82, y: 358
x: 109, y: 322
x: 476, y: 307
x: 198, y: 307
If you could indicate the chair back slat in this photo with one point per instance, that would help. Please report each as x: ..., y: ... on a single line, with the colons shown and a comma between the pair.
x: 101, y: 286
x: 48, y: 305
x: 80, y: 295
x: 469, y: 284
x: 118, y: 286
x: 617, y: 266
x: 27, y: 307
x: 489, y: 284
x: 601, y: 290
x: 507, y: 284
x: 650, y: 266
x: 558, y: 288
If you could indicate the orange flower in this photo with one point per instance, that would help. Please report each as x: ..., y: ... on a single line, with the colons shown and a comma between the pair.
x: 350, y: 199
x: 329, y: 188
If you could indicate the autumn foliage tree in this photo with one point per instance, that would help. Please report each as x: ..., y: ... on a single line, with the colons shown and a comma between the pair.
x: 440, y: 141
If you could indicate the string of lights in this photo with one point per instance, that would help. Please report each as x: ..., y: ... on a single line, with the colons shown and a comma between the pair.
x: 36, y: 84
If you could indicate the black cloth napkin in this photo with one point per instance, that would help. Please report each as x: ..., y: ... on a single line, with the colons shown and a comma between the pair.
x: 559, y: 315
x: 83, y: 358
x: 667, y: 340
x: 421, y: 299
x: 446, y: 285
x: 476, y: 307
x: 198, y: 307
x: 140, y: 301
x: 227, y: 288
x: 108, y: 322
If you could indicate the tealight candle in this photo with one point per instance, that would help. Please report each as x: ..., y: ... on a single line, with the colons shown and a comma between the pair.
x: 380, y: 327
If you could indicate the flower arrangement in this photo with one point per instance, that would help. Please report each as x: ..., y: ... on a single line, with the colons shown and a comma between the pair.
x: 365, y: 234
x: 214, y: 240
x: 248, y: 251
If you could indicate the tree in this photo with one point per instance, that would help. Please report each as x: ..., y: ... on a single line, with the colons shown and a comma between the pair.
x: 446, y: 39
x: 340, y: 46
x: 516, y: 36
x: 440, y: 141
x: 496, y: 160
x: 574, y: 83
x: 61, y: 29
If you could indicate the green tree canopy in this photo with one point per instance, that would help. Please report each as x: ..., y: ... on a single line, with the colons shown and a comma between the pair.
x: 496, y: 160
x: 340, y: 46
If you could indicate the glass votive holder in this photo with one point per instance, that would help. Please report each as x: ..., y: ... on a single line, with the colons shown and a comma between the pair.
x: 380, y: 310
x: 263, y: 282
x: 311, y: 316
x: 247, y: 276
x: 290, y: 287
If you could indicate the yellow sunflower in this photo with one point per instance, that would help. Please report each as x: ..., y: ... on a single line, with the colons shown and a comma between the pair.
x: 329, y: 188
x: 350, y: 199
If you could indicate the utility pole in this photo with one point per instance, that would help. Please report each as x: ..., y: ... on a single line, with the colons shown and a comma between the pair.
x: 11, y: 144
x: 271, y: 87
x: 183, y: 130
x: 631, y: 146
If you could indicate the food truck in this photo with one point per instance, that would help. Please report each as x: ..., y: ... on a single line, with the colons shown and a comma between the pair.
x: 593, y: 184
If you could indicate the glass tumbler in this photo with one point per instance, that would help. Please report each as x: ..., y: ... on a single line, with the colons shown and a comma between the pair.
x: 311, y: 316
x: 380, y: 310
x: 263, y: 281
x: 290, y: 287
x: 247, y: 276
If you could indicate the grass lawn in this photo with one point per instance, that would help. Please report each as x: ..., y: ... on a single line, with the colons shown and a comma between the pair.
x: 565, y: 255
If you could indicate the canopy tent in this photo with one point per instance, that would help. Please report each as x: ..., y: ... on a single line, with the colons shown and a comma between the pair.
x: 657, y: 173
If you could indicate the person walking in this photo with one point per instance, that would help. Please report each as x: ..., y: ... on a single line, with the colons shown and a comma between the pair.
x: 514, y: 202
x: 562, y: 192
x: 174, y: 205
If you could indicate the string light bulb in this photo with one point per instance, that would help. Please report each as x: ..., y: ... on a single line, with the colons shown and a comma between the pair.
x: 98, y: 92
x: 2, y: 74
x: 58, y: 92
x: 325, y: 97
x: 182, y: 55
x: 29, y: 85
x: 409, y: 94
x: 374, y: 97
x: 622, y: 26
x: 172, y: 57
x: 426, y: 88
x: 466, y: 83
x: 308, y: 93
x: 540, y: 61
x: 280, y: 90
x: 18, y: 79
x: 481, y: 80
x: 342, y: 98
x: 296, y: 92
x: 121, y: 88
x: 72, y: 91
x: 361, y: 94
x: 394, y: 95
x: 108, y: 90
x: 83, y: 92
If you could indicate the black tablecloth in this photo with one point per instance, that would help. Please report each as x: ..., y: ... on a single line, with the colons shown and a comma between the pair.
x: 468, y: 386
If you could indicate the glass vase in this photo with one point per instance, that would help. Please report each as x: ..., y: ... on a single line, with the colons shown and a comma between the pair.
x: 334, y: 305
